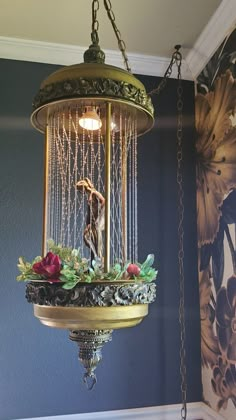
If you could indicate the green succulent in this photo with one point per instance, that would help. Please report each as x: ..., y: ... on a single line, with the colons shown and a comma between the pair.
x: 75, y: 269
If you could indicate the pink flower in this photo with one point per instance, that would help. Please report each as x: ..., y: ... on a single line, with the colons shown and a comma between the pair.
x: 49, y: 267
x: 133, y: 270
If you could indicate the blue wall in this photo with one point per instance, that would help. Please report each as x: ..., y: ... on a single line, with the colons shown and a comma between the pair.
x: 39, y: 371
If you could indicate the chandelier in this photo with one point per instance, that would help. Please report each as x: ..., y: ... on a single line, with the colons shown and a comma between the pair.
x: 88, y: 279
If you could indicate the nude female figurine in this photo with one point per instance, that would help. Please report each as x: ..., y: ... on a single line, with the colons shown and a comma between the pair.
x: 95, y: 221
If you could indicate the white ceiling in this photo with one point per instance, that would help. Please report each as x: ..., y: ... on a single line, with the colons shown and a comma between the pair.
x: 149, y: 27
x: 58, y: 31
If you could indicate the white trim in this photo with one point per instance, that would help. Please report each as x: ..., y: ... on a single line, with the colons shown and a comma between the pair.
x: 64, y: 54
x: 196, y: 411
x: 222, y: 21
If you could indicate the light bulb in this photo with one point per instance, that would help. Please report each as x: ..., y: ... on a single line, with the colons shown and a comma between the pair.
x: 90, y: 121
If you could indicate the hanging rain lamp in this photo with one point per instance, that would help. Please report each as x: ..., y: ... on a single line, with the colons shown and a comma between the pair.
x: 88, y: 279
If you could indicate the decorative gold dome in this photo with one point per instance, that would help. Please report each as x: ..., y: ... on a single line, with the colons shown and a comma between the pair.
x: 93, y: 83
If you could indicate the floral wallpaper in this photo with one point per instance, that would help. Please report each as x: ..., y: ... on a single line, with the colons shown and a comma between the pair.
x: 216, y: 222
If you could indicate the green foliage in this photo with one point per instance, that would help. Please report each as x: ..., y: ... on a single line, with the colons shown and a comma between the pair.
x: 65, y: 253
x: 148, y: 275
x: 117, y: 272
x: 148, y: 262
x: 69, y: 285
x: 147, y: 272
x: 68, y: 274
x: 75, y: 269
x: 26, y: 270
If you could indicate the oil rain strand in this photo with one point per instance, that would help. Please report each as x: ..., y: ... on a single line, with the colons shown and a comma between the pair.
x: 76, y: 184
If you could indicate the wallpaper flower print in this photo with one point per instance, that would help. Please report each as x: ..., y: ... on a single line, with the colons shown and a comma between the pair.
x: 209, y: 342
x: 226, y: 319
x: 216, y: 154
x: 224, y: 383
x: 216, y: 223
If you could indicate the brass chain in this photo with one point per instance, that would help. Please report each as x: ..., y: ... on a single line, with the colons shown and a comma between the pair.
x: 166, y: 76
x: 95, y: 23
x: 177, y: 59
x: 121, y: 43
x: 181, y: 237
x: 168, y: 72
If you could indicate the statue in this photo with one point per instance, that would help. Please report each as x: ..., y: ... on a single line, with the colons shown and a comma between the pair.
x: 95, y: 220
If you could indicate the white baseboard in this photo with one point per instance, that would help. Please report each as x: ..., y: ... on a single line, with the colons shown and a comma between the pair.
x: 196, y: 411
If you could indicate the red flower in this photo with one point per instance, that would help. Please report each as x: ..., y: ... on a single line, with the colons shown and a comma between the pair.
x: 49, y: 267
x: 133, y: 270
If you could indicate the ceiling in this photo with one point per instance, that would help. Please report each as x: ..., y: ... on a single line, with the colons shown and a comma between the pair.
x: 150, y: 27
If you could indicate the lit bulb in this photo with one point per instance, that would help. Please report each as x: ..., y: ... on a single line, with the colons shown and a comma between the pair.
x: 90, y: 121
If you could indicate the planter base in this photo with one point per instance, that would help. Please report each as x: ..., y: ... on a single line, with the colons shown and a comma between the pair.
x: 91, y: 312
x: 91, y: 318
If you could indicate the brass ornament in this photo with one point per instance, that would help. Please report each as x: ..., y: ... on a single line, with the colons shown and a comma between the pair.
x: 94, y: 54
x: 90, y: 344
x: 73, y: 154
x: 93, y: 84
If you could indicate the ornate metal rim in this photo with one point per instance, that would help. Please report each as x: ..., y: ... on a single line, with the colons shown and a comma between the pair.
x: 90, y: 295
x: 100, y: 88
x: 74, y: 89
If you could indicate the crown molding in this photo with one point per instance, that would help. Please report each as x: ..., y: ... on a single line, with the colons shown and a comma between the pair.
x: 221, y: 23
x: 166, y: 412
x: 64, y: 54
